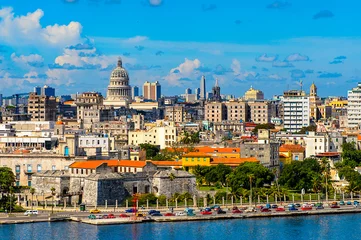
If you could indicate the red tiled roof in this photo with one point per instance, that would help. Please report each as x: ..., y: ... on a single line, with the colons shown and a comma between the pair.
x: 92, y: 164
x: 167, y: 163
x: 291, y: 148
x: 328, y: 154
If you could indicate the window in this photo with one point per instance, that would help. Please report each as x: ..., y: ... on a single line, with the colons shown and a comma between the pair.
x: 29, y: 183
x: 29, y: 168
x: 17, y: 168
x: 53, y: 167
x: 39, y: 168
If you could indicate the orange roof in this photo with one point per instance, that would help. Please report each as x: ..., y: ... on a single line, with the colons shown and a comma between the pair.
x: 328, y: 154
x: 359, y: 137
x: 93, y: 164
x: 208, y: 149
x: 21, y: 151
x: 291, y: 148
x: 196, y: 154
x: 69, y: 102
x: 167, y: 163
x: 233, y: 161
x: 283, y: 155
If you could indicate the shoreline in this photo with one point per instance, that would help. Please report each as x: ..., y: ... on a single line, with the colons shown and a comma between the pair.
x: 214, y: 217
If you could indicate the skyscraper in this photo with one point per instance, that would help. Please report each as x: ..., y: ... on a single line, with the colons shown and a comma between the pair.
x: 46, y: 90
x: 188, y: 91
x: 151, y: 91
x: 197, y: 92
x: 203, y: 89
x: 135, y: 92
x: 216, y: 90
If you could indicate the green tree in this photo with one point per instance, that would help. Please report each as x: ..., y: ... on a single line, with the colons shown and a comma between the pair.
x: 222, y: 172
x: 299, y: 174
x: 311, y: 128
x: 32, y: 192
x: 249, y: 173
x: 7, y: 179
x: 263, y: 126
x: 151, y: 150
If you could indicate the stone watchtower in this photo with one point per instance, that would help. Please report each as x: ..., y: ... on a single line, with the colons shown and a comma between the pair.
x: 59, y: 128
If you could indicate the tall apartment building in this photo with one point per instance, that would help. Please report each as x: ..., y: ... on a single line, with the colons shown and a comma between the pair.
x: 203, y: 90
x: 46, y: 90
x: 152, y: 91
x: 295, y: 110
x: 215, y: 112
x: 175, y: 113
x: 261, y: 111
x: 42, y: 107
x: 354, y: 107
x: 237, y: 111
x: 91, y: 110
x: 135, y: 92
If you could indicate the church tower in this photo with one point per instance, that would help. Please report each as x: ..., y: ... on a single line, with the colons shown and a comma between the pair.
x: 313, y: 90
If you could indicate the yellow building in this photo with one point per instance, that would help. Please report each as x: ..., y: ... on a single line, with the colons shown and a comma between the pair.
x: 253, y: 94
x: 193, y: 159
x: 338, y: 103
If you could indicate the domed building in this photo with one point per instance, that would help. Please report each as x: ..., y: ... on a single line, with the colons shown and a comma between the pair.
x: 119, y: 91
x: 253, y: 94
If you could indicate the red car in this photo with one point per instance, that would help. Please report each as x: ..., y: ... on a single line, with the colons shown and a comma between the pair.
x: 111, y: 215
x: 123, y: 215
x: 280, y: 209
x: 265, y: 210
x: 236, y: 211
x: 335, y: 206
x: 169, y: 214
x: 206, y: 213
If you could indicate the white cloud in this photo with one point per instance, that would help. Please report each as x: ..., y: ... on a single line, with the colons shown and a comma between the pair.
x: 296, y: 57
x: 27, y: 30
x: 236, y: 66
x: 23, y: 59
x: 155, y: 2
x: 265, y: 58
x: 184, y: 70
x: 136, y: 39
x: 282, y: 64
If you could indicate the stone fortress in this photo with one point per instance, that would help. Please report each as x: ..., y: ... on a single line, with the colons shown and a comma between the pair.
x: 103, y: 184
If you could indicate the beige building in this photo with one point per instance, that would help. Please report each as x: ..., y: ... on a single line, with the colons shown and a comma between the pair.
x: 151, y: 91
x: 41, y: 107
x: 237, y: 111
x: 215, y: 112
x: 175, y: 113
x: 25, y: 164
x: 253, y: 94
x: 261, y: 111
x: 162, y: 133
x: 91, y: 110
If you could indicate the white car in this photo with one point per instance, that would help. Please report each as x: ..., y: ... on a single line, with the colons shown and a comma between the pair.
x: 181, y: 214
x: 31, y: 212
x: 250, y: 209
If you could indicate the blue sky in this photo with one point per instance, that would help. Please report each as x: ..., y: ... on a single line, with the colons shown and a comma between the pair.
x: 271, y: 45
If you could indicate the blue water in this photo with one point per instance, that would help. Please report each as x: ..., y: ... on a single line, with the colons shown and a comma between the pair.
x: 347, y: 226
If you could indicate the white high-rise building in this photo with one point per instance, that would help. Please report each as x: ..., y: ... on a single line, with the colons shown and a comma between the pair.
x: 202, y: 94
x: 354, y: 107
x: 296, y: 110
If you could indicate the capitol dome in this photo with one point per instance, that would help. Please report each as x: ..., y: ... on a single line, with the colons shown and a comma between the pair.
x: 119, y: 91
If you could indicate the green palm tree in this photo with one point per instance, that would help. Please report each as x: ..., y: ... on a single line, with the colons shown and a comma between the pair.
x: 52, y: 194
x: 32, y: 192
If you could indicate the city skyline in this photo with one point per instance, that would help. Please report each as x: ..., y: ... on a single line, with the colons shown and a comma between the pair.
x: 75, y: 51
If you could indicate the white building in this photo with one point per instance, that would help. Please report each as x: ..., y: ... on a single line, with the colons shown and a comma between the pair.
x: 354, y: 107
x: 162, y: 134
x: 296, y: 110
x: 88, y: 144
x: 323, y: 142
x: 7, y: 130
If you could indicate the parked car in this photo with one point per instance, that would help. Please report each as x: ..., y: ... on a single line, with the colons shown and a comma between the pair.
x: 356, y: 202
x: 280, y: 209
x: 96, y: 211
x: 206, y: 213
x: 220, y: 211
x: 319, y: 207
x: 208, y: 209
x: 349, y: 203
x: 169, y: 214
x: 342, y: 203
x: 139, y: 215
x: 111, y: 215
x: 265, y: 210
x: 236, y: 211
x: 181, y: 214
x: 214, y: 207
x: 156, y: 214
x: 92, y: 216
x: 131, y: 210
x: 150, y: 212
x: 250, y: 209
x: 334, y: 206
x: 268, y: 205
x: 274, y: 206
x: 123, y: 215
x: 298, y: 205
x: 31, y: 212
x: 105, y: 217
x: 293, y: 208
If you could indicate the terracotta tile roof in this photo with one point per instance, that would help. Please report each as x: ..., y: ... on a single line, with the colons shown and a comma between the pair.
x: 233, y: 161
x: 359, y: 137
x: 283, y: 155
x: 93, y: 164
x: 291, y: 148
x: 208, y: 149
x: 167, y: 163
x: 196, y: 154
x: 328, y: 154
